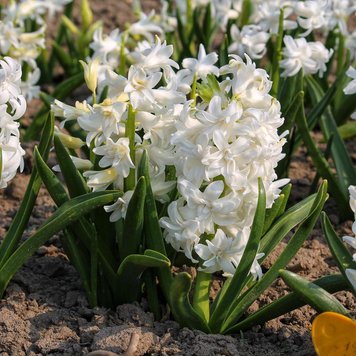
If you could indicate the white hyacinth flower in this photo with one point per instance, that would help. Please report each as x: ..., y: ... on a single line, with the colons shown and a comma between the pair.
x: 251, y: 40
x: 299, y: 54
x: 351, y: 87
x: 202, y: 66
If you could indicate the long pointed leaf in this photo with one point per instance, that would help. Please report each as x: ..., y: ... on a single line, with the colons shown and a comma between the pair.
x: 181, y: 308
x: 339, y: 251
x: 75, y: 182
x: 65, y: 215
x: 315, y: 296
x: 131, y: 238
x: 131, y: 269
x: 289, y: 302
x: 243, y: 269
x: 20, y: 221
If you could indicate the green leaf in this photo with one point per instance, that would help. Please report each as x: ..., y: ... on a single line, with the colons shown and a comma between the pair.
x: 288, y: 89
x: 289, y: 123
x: 152, y: 229
x: 52, y: 183
x: 131, y: 238
x: 348, y: 130
x: 65, y: 215
x: 332, y: 284
x: 339, y: 251
x: 75, y: 182
x: 226, y: 303
x: 291, y: 249
x: 131, y: 269
x: 277, y: 54
x: 320, y: 162
x: 18, y: 225
x: 63, y: 58
x: 277, y: 208
x: 153, y: 233
x: 180, y: 305
x: 315, y: 296
x: 201, y: 298
x: 346, y: 172
x: 245, y: 13
x: 68, y: 86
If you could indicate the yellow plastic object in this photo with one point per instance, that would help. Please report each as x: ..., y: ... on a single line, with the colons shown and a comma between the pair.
x: 334, y: 334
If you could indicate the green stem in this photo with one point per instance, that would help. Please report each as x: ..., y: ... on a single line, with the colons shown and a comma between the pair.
x: 193, y: 93
x: 201, y: 295
x: 122, y: 64
x: 129, y: 182
x: 340, y: 53
x: 94, y: 98
x: 278, y: 55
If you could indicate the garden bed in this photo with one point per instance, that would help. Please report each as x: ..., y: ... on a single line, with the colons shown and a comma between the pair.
x: 45, y: 312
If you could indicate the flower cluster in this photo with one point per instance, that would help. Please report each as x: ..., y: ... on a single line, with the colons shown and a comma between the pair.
x: 218, y: 144
x: 17, y: 41
x: 222, y: 145
x: 351, y: 273
x: 12, y: 108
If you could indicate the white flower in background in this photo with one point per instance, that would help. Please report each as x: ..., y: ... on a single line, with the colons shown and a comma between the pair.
x: 321, y: 55
x: 300, y: 54
x: 351, y: 273
x: 107, y: 47
x: 223, y: 11
x: 154, y: 57
x: 313, y: 14
x: 350, y: 44
x: 19, y: 43
x: 351, y: 87
x: 266, y: 15
x: 251, y: 40
x: 29, y: 88
x: 146, y: 27
x: 202, y: 66
x: 341, y: 10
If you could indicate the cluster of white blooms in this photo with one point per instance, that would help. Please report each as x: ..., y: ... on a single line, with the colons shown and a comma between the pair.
x: 222, y: 145
x: 351, y: 273
x: 107, y: 47
x: 351, y: 87
x: 218, y: 143
x: 300, y: 54
x: 12, y: 108
x: 24, y: 45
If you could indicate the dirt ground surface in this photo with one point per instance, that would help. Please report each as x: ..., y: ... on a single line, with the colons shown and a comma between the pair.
x: 44, y: 310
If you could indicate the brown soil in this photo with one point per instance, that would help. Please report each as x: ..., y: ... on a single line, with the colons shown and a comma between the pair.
x: 45, y: 312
